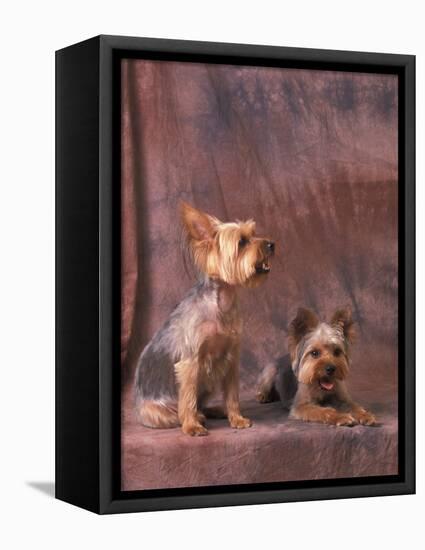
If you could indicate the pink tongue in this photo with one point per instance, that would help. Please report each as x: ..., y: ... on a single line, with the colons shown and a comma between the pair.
x: 327, y: 385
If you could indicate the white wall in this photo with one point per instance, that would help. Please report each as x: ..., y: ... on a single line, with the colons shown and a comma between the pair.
x: 30, y: 32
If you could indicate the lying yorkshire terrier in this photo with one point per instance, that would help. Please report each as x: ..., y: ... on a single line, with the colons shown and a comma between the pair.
x: 196, y: 352
x: 314, y: 389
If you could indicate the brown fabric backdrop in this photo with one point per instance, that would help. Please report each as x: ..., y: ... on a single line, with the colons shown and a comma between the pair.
x: 311, y: 155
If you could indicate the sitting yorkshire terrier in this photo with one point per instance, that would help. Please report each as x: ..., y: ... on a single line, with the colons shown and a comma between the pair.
x: 314, y: 388
x: 196, y: 352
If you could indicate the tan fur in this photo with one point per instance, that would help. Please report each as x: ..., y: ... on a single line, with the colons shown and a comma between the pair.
x: 158, y: 415
x: 313, y: 369
x: 203, y: 335
x: 304, y: 322
x: 266, y: 383
x: 216, y: 250
x: 215, y: 369
x: 316, y: 347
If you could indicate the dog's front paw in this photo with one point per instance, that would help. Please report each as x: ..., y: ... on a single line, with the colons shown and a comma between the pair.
x: 240, y: 422
x: 364, y: 417
x: 194, y: 429
x: 343, y: 419
x: 339, y: 419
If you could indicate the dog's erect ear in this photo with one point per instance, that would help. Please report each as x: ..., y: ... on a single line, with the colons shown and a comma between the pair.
x: 305, y: 321
x: 343, y: 319
x: 199, y: 225
x: 248, y: 226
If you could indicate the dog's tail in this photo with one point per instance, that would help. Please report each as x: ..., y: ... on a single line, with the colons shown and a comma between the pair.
x: 158, y: 414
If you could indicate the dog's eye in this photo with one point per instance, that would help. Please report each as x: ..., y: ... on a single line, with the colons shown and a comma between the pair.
x: 243, y: 241
x: 315, y: 353
x: 337, y: 352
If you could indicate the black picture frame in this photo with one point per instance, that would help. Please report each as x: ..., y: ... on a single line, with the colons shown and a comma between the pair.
x: 87, y: 274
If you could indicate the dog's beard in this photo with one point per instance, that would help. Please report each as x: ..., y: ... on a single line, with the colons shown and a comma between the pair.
x: 243, y: 271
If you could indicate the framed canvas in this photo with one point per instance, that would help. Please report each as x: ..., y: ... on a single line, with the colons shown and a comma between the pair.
x: 235, y: 274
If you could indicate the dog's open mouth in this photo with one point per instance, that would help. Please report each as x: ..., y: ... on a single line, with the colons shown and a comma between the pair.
x: 326, y: 384
x: 262, y: 267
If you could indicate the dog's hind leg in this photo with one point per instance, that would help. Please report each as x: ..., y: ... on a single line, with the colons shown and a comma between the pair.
x: 266, y: 388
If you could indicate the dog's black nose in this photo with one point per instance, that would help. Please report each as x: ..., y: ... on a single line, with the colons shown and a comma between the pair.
x: 330, y: 369
x: 270, y: 246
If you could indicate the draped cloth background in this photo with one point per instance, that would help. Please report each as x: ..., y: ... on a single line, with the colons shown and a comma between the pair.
x: 310, y: 155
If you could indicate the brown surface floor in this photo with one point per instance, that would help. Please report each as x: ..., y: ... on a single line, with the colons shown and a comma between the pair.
x: 275, y: 448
